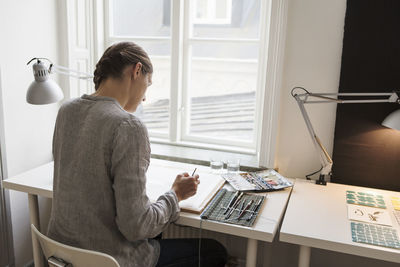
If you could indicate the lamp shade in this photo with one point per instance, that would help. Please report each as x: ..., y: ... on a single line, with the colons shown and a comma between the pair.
x: 43, y: 90
x: 392, y: 120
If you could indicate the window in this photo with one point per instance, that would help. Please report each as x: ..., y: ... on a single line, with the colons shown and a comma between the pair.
x: 148, y: 24
x: 210, y: 64
x: 212, y: 12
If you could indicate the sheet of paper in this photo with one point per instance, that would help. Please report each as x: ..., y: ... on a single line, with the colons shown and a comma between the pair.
x: 160, y: 178
x: 369, y: 215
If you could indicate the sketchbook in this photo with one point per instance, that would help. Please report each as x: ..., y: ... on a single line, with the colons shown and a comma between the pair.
x: 161, y: 175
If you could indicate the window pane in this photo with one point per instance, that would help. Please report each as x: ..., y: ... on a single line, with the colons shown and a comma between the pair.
x: 141, y: 18
x: 222, y: 91
x: 226, y: 51
x: 155, y: 113
x: 226, y: 18
x: 221, y: 9
x: 201, y: 9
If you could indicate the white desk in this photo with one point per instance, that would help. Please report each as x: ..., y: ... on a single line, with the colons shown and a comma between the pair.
x: 316, y: 216
x: 39, y: 182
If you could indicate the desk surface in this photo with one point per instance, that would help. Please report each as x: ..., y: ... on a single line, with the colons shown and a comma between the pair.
x: 39, y: 181
x: 316, y: 216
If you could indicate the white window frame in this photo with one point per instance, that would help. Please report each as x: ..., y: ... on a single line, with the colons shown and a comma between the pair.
x: 188, y: 41
x: 270, y: 63
x: 211, y: 19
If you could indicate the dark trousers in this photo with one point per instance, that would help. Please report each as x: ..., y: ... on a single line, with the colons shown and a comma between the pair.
x: 185, y: 252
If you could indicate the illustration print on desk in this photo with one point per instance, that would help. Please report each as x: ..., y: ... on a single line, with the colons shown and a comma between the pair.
x: 365, y: 199
x: 369, y: 215
x: 395, y: 202
x: 397, y: 216
x: 374, y: 235
x: 261, y: 181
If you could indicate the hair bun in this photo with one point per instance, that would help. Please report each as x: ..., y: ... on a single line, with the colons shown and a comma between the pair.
x: 116, y: 58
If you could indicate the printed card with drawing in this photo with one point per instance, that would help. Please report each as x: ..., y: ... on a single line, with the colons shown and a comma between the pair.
x: 369, y: 215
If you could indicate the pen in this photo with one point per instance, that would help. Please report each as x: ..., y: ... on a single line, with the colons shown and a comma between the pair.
x: 231, y: 201
x: 195, y: 169
x: 255, y: 209
x: 232, y: 209
x: 245, y: 209
x: 242, y: 206
x: 235, y: 204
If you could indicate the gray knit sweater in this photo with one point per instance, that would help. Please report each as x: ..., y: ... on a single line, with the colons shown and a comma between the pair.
x: 101, y: 155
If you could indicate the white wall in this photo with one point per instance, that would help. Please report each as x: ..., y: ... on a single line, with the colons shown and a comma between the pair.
x: 312, y: 60
x: 28, y: 29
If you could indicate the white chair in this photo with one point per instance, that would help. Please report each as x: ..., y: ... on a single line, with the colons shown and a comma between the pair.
x: 60, y: 255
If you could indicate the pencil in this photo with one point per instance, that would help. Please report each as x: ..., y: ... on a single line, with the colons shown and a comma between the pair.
x: 194, y: 171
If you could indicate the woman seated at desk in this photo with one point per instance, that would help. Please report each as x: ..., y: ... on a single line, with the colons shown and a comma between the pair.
x: 101, y: 155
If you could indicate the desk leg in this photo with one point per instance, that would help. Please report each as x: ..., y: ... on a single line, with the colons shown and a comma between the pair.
x: 251, y: 257
x: 304, y: 256
x: 34, y: 219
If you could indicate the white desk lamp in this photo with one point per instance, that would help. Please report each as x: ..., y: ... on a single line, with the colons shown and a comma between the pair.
x: 43, y: 90
x: 391, y: 121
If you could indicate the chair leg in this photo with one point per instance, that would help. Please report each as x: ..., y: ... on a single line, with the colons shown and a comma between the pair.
x: 34, y: 219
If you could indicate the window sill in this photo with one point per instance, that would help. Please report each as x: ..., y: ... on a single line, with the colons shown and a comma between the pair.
x: 201, y: 156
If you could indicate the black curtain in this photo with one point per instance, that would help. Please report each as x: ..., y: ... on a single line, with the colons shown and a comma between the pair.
x: 366, y: 153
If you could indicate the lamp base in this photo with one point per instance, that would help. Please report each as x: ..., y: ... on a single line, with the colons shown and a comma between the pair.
x: 321, y: 180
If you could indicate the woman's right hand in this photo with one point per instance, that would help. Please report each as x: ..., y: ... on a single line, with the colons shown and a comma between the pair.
x: 185, y: 185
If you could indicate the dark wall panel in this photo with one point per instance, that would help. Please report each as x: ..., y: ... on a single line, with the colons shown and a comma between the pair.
x: 366, y: 153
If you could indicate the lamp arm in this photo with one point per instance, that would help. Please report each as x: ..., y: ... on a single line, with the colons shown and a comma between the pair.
x: 392, y: 97
x: 303, y: 98
x: 325, y: 159
x: 69, y: 72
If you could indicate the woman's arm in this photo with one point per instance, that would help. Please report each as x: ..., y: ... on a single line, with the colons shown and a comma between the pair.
x: 136, y: 217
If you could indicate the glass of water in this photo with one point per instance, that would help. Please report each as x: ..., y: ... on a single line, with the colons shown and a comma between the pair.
x: 216, y: 165
x: 233, y: 165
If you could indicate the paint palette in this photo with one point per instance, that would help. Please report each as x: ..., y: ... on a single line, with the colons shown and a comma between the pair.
x: 365, y: 199
x: 374, y: 235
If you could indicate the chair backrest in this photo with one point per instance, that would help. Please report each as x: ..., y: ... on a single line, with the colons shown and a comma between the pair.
x: 75, y: 256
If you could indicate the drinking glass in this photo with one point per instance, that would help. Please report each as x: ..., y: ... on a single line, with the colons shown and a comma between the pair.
x: 216, y: 165
x: 233, y: 165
